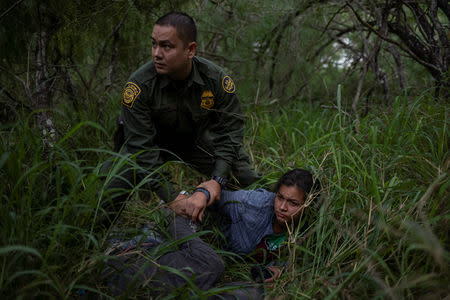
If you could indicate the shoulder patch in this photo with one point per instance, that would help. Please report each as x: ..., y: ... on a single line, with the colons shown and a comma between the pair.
x: 131, y: 92
x: 228, y: 85
x: 207, y: 100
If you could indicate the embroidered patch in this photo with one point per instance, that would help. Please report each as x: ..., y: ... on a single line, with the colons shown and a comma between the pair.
x: 207, y: 100
x: 132, y: 90
x: 228, y: 85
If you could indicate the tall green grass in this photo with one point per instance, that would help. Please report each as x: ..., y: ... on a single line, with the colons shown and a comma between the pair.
x: 380, y: 231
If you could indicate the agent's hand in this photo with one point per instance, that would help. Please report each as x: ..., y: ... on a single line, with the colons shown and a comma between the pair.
x: 214, y: 190
x: 195, y: 206
x: 179, y: 205
x: 190, y: 206
x: 197, y: 203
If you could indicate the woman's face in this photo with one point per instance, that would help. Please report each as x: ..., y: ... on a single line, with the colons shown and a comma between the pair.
x: 288, y: 205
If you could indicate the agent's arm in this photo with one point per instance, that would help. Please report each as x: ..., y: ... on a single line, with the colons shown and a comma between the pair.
x: 194, y: 206
x: 140, y: 135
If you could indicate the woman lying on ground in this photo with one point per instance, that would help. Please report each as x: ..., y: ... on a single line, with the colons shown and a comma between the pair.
x: 254, y: 220
x: 258, y: 220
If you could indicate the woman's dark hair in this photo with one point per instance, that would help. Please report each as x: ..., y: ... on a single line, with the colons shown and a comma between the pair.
x: 184, y: 24
x: 302, y: 179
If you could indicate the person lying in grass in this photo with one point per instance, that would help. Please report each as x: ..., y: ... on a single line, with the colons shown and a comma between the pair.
x: 150, y: 264
x: 255, y: 221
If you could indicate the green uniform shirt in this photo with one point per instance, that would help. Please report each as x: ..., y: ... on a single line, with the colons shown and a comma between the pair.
x: 203, y: 110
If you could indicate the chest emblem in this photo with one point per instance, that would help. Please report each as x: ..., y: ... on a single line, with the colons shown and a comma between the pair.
x: 228, y: 85
x: 207, y: 100
x: 131, y: 92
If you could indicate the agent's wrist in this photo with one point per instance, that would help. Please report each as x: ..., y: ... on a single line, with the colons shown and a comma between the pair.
x: 221, y: 181
x: 205, y: 192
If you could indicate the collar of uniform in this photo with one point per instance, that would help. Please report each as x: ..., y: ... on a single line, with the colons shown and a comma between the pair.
x: 165, y: 80
x: 194, y: 76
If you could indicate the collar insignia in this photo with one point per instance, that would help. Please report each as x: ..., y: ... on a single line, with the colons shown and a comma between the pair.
x: 207, y: 100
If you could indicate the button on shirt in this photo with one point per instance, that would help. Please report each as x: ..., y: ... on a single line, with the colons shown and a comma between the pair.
x: 249, y: 217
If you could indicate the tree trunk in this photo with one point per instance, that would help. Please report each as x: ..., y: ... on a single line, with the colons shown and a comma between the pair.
x: 42, y: 96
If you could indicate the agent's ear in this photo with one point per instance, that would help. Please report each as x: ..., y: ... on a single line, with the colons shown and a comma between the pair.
x: 192, y: 49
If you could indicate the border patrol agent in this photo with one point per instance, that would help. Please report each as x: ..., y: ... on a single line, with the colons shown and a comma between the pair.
x: 186, y: 105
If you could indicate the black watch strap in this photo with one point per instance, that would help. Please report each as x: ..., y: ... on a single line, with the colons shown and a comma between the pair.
x: 204, y: 191
x: 220, y: 180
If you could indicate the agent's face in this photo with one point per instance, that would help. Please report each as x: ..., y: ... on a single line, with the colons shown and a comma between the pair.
x: 288, y: 204
x: 170, y: 55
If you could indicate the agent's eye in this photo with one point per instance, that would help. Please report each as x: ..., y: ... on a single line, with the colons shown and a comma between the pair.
x: 167, y: 46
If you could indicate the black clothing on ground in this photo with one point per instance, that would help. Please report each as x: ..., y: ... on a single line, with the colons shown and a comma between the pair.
x: 194, y: 259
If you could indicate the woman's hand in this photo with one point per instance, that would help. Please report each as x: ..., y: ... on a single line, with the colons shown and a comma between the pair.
x: 276, y: 271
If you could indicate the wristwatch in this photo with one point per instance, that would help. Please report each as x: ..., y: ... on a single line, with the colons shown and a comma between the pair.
x: 220, y: 180
x: 204, y: 191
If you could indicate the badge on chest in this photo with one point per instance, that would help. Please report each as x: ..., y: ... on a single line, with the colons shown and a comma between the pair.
x: 207, y: 100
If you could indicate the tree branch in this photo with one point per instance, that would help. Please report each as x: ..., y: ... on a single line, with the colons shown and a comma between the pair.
x: 403, y: 35
x: 102, y: 52
x: 11, y: 8
x: 334, y: 37
x: 399, y: 65
x: 420, y: 16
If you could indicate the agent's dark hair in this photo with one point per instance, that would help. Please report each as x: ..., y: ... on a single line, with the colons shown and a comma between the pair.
x: 302, y: 179
x: 184, y: 24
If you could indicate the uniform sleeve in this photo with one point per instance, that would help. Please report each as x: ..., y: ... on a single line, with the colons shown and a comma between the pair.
x: 228, y: 131
x: 140, y: 134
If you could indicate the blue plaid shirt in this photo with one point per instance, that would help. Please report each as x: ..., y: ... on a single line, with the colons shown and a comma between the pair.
x: 249, y: 214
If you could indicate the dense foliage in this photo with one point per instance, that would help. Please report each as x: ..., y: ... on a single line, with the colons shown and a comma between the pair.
x: 381, y: 229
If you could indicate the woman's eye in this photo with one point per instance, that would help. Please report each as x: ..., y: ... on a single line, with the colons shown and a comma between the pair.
x: 293, y: 203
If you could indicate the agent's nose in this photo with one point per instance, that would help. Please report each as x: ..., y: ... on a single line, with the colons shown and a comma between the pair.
x: 156, y: 51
